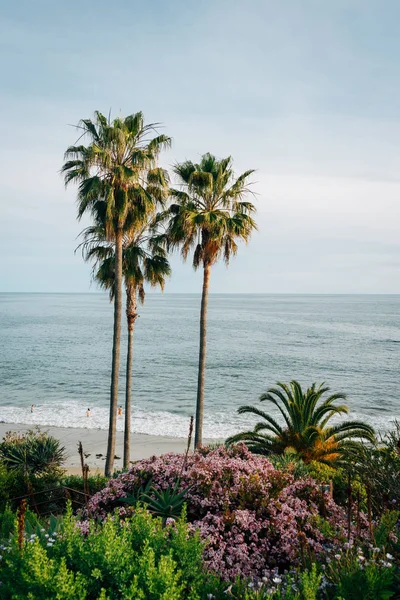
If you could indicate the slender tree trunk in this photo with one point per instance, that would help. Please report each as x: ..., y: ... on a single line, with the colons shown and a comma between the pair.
x: 131, y: 316
x: 112, y: 428
x: 198, y: 438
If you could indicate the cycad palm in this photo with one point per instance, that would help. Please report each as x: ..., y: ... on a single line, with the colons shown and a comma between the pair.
x: 306, y: 432
x: 113, y: 172
x: 143, y: 261
x: 209, y: 215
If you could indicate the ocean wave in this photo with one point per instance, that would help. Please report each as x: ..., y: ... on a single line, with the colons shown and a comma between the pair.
x: 73, y: 415
x: 218, y: 425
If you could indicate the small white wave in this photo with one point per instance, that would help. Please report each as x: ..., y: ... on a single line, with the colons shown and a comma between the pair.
x: 73, y: 415
x: 217, y: 425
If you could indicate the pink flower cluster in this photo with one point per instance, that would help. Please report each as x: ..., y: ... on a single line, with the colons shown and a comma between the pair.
x: 252, y: 517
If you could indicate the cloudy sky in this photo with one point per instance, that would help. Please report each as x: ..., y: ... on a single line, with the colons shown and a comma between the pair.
x: 305, y: 91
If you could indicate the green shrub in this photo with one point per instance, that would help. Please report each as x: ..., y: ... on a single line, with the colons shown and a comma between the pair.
x: 137, y: 558
x: 7, y: 522
x: 33, y: 524
x: 140, y: 559
x: 323, y: 474
x: 11, y: 486
x: 96, y: 482
x: 358, y: 575
x: 34, y: 457
x: 377, y: 467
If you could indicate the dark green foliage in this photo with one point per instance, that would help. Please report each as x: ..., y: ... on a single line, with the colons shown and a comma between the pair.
x: 32, y: 454
x: 372, y: 582
x: 161, y: 503
x: 378, y: 468
x: 43, y: 527
x: 7, y: 522
x: 11, y: 486
x: 367, y: 572
x: 75, y: 482
x: 385, y: 527
x: 291, y: 463
x: 209, y: 214
x: 137, y: 495
x: 33, y: 524
x: 166, y: 503
x: 29, y: 462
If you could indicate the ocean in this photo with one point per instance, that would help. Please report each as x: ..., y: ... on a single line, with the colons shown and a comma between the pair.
x: 55, y: 353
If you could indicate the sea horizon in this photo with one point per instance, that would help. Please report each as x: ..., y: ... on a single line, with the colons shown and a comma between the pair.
x: 159, y: 293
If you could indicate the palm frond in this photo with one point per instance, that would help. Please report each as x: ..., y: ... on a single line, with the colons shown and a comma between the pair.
x: 306, y: 414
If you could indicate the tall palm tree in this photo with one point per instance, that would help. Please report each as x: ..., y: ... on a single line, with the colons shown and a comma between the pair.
x: 306, y: 432
x: 143, y: 261
x: 209, y: 216
x: 111, y: 172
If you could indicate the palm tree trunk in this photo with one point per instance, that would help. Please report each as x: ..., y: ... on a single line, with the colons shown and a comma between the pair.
x: 198, y: 438
x: 131, y: 317
x: 112, y: 428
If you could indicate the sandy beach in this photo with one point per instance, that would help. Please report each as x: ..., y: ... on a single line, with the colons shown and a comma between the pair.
x: 95, y: 442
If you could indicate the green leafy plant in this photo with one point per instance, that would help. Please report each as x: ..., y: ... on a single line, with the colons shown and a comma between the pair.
x: 305, y: 431
x: 12, y: 485
x: 137, y: 495
x: 139, y: 560
x: 355, y: 575
x: 166, y: 503
x: 95, y: 482
x: 310, y: 582
x: 32, y: 456
x: 385, y: 527
x: 377, y: 467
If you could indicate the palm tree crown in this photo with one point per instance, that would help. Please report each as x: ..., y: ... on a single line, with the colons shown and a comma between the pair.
x: 117, y: 169
x: 305, y: 431
x: 209, y: 214
x: 143, y: 260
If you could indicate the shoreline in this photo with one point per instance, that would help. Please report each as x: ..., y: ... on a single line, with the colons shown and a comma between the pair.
x: 94, y: 442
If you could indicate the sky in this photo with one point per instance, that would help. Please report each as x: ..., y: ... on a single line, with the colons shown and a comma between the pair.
x: 307, y: 92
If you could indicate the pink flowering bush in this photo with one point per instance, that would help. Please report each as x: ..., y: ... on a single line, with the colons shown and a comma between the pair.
x: 252, y: 517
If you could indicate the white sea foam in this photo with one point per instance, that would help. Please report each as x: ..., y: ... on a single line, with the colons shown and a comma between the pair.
x: 73, y: 414
x: 217, y: 425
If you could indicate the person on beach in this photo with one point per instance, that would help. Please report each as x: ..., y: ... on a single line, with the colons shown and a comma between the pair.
x: 32, y: 407
x: 120, y: 411
x: 88, y: 412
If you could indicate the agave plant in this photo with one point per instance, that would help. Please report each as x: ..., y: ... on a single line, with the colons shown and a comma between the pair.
x: 305, y: 430
x: 166, y: 504
x: 35, y: 528
x: 137, y: 495
x: 161, y: 503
